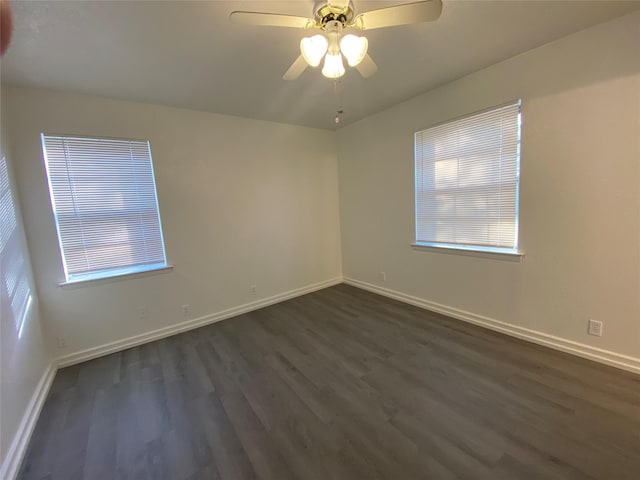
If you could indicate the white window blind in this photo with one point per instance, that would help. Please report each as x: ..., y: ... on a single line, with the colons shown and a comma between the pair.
x: 15, y: 287
x: 105, y: 205
x: 467, y: 179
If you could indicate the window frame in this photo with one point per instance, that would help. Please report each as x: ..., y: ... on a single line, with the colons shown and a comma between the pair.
x: 486, y: 251
x: 113, y: 273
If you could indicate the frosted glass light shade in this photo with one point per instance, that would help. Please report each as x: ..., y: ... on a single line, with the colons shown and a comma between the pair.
x: 354, y: 48
x: 333, y: 67
x: 313, y: 49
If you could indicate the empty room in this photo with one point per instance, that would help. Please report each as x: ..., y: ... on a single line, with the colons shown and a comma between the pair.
x: 313, y: 240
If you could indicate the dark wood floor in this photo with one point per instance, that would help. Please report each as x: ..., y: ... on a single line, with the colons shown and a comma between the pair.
x: 338, y: 384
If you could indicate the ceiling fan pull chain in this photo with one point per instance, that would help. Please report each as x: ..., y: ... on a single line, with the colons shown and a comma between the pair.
x: 338, y: 96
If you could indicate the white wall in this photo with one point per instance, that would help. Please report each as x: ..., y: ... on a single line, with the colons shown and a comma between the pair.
x: 579, y: 201
x: 242, y: 202
x: 24, y: 355
x: 245, y: 202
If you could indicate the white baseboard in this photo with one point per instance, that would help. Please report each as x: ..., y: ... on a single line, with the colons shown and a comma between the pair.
x: 17, y: 449
x: 607, y: 357
x: 94, y: 352
x: 13, y: 460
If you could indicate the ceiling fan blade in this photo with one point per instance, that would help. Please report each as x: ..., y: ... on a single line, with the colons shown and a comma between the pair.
x: 417, y: 12
x: 269, y: 19
x: 296, y: 69
x: 367, y: 66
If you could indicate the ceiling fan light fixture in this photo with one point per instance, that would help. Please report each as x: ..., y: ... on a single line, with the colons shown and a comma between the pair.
x: 333, y: 66
x: 354, y: 48
x: 313, y: 49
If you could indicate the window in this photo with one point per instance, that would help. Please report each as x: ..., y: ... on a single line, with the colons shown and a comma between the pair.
x: 467, y: 179
x: 16, y: 291
x: 105, y: 206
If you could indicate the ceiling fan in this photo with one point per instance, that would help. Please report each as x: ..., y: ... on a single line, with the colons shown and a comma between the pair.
x: 332, y: 19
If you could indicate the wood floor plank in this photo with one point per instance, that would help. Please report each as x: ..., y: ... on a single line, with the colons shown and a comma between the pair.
x: 340, y: 384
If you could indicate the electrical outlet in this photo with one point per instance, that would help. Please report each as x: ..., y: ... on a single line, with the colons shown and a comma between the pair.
x: 253, y: 289
x: 186, y: 310
x: 142, y: 312
x: 595, y: 328
x: 62, y: 343
x: 384, y: 276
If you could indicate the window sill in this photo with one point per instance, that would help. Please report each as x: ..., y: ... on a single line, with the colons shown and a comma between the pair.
x: 122, y: 276
x: 495, y: 254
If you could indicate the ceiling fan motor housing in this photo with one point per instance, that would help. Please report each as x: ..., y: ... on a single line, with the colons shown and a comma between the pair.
x: 326, y: 13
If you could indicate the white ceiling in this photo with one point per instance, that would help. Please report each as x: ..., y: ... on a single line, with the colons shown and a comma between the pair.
x: 187, y: 54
